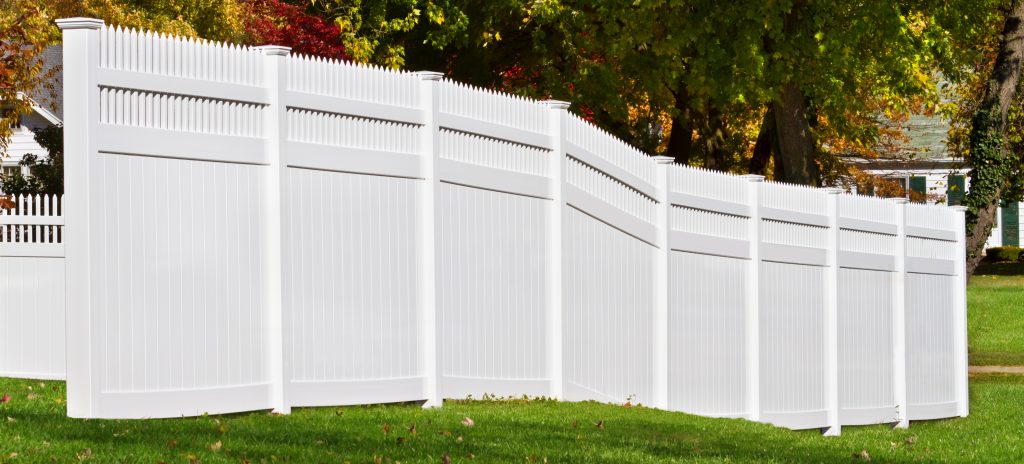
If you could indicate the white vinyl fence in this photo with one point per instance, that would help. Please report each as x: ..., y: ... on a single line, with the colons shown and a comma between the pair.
x: 248, y: 229
x: 32, y: 288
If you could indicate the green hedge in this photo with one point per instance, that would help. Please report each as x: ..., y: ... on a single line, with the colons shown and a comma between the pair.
x: 1003, y: 254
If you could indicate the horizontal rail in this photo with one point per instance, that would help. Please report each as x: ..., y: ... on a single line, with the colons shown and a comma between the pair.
x: 350, y: 107
x: 493, y: 130
x: 869, y: 261
x: 709, y: 244
x: 472, y: 175
x: 354, y: 160
x: 794, y: 254
x: 709, y: 204
x: 587, y: 157
x: 610, y: 215
x: 56, y: 220
x: 183, y: 86
x: 927, y: 232
x: 794, y: 217
x: 31, y: 250
x: 867, y: 226
x: 163, y: 143
x: 931, y: 266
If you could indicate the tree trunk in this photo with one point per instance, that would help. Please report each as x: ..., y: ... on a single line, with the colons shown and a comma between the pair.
x: 796, y: 145
x: 990, y: 158
x: 766, y: 145
x: 680, y: 140
x: 713, y: 136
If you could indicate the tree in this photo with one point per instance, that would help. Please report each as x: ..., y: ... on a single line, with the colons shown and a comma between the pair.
x: 995, y: 168
x: 25, y: 31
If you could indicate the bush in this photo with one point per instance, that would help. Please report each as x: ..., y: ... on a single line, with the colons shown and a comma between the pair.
x: 1003, y: 254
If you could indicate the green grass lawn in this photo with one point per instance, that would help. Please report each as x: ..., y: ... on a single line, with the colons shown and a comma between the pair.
x: 995, y: 313
x: 33, y: 428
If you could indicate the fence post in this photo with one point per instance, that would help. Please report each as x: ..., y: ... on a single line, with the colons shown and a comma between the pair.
x: 831, y: 318
x: 752, y: 299
x: 960, y: 309
x: 553, y: 247
x: 661, y: 284
x: 899, y: 316
x: 427, y: 242
x: 81, y: 113
x: 275, y: 58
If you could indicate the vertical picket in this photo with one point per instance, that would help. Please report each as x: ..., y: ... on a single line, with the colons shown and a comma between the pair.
x: 661, y: 285
x: 553, y: 246
x: 752, y: 291
x: 81, y: 111
x: 427, y: 244
x: 899, y: 320
x: 960, y: 314
x: 831, y: 319
x: 275, y: 73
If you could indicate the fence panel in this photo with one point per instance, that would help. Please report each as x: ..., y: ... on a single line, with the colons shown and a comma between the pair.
x: 609, y: 257
x: 493, y: 160
x: 794, y: 238
x: 710, y: 259
x: 934, y: 387
x: 32, y: 288
x: 351, y: 179
x: 167, y: 171
x: 867, y: 257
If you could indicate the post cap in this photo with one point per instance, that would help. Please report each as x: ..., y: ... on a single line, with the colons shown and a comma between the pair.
x: 555, y: 104
x: 959, y: 208
x: 69, y: 24
x: 274, y: 50
x: 664, y: 159
x: 753, y: 177
x: 429, y: 75
x: 832, y: 190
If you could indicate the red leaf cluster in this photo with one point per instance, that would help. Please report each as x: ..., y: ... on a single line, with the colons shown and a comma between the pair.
x: 277, y: 22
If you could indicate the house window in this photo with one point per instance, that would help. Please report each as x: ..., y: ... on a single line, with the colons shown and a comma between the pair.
x: 8, y: 171
x: 956, y: 188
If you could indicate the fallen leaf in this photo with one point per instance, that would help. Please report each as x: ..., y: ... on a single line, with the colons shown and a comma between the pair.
x: 862, y: 455
x: 458, y: 440
x: 600, y: 425
x: 172, y: 443
x: 468, y: 422
x: 5, y: 399
x: 628, y: 405
x: 471, y: 456
x: 12, y: 455
x: 32, y: 396
x: 400, y: 440
x: 387, y: 428
x: 412, y: 429
x: 446, y: 460
x: 575, y: 424
x: 11, y: 419
x: 911, y: 439
x: 84, y: 454
x: 216, y: 446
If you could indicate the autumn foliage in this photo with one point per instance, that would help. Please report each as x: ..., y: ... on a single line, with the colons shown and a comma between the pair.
x: 281, y: 23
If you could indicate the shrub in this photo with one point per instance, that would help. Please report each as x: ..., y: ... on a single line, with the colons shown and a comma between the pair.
x: 1003, y: 254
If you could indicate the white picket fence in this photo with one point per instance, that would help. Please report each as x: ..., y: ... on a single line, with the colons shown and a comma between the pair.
x: 32, y: 288
x: 247, y: 229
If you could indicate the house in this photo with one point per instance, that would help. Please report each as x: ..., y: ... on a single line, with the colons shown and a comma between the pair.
x: 924, y: 165
x: 47, y: 110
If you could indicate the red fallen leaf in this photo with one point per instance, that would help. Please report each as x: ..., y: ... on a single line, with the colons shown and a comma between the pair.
x: 5, y: 399
x: 467, y: 422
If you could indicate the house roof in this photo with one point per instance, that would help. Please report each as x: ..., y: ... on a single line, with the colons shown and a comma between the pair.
x: 48, y: 100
